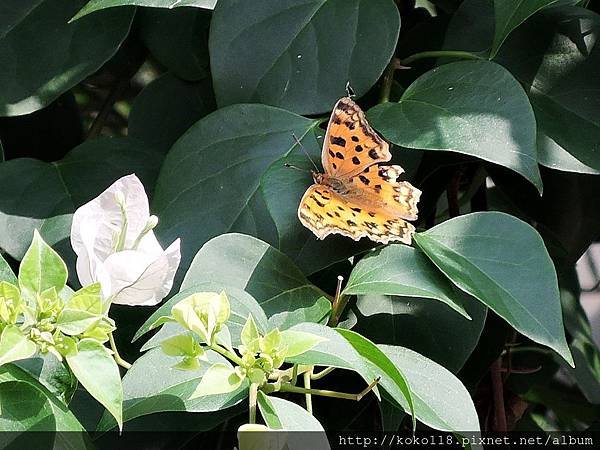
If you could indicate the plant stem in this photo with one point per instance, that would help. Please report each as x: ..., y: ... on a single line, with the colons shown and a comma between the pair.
x: 439, y: 54
x: 307, y: 395
x: 287, y: 387
x: 388, y: 80
x: 339, y: 303
x: 322, y: 373
x: 498, y: 392
x: 295, y: 374
x: 252, y: 398
x: 226, y: 353
x: 116, y: 90
x: 120, y: 361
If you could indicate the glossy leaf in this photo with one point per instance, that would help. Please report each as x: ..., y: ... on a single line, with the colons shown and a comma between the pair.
x: 298, y: 342
x: 220, y: 378
x: 151, y: 385
x: 43, y: 196
x: 280, y: 414
x: 209, y: 182
x: 65, y: 53
x: 509, y: 14
x: 503, y: 262
x: 308, y: 61
x: 392, y: 378
x: 97, y: 371
x: 471, y: 107
x: 440, y: 399
x: 402, y: 271
x: 423, y: 325
x: 261, y: 270
x: 97, y: 5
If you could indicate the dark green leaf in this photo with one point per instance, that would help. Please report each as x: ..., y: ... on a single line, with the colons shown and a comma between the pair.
x: 510, y: 14
x: 166, y: 108
x: 152, y: 385
x: 178, y: 39
x: 471, y: 107
x: 392, y: 379
x: 96, y: 5
x: 300, y: 55
x: 64, y: 53
x: 12, y: 12
x: 423, y: 325
x: 503, y: 262
x: 29, y: 406
x: 209, y: 183
x: 441, y: 401
x: 43, y: 196
x: 268, y: 275
x: 402, y: 271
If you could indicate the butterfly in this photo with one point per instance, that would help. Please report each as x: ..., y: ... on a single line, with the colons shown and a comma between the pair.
x: 356, y: 196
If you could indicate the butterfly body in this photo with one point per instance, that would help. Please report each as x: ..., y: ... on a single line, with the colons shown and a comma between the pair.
x: 355, y: 196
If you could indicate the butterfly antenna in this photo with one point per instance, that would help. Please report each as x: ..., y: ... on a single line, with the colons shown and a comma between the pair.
x: 291, y: 166
x: 305, y: 152
x: 349, y: 91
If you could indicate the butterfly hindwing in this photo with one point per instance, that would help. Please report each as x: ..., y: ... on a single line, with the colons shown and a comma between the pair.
x: 351, y: 144
x: 325, y: 212
x: 381, y: 185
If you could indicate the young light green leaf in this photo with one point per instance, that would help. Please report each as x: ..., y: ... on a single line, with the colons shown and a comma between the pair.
x: 10, y: 302
x: 182, y: 345
x: 161, y: 321
x: 203, y: 313
x: 298, y: 342
x: 41, y: 269
x: 250, y: 337
x: 76, y: 321
x: 97, y: 371
x: 87, y: 299
x: 14, y: 345
x: 255, y: 436
x: 219, y: 379
x: 271, y: 341
x: 502, y: 261
x: 6, y: 273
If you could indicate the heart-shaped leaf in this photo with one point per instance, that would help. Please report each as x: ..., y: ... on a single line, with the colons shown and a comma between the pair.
x: 309, y: 60
x: 471, y: 107
x: 502, y: 261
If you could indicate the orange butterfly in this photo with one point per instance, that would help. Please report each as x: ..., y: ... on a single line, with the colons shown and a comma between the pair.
x: 356, y: 196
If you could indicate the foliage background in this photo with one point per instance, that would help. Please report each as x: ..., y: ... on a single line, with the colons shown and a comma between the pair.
x: 202, y: 104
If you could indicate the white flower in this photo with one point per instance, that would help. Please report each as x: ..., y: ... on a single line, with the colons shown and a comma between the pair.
x: 115, y: 246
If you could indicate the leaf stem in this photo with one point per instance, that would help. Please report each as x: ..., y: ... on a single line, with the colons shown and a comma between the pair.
x: 388, y: 80
x: 498, y: 392
x: 226, y: 353
x: 307, y: 395
x: 120, y: 361
x: 252, y: 399
x: 287, y: 387
x: 440, y: 54
x: 322, y: 373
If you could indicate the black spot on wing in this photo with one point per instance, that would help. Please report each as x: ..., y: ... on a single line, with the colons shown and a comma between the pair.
x: 355, y: 160
x: 337, y: 140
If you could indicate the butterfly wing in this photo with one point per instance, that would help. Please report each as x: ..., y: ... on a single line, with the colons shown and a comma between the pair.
x: 351, y: 144
x: 324, y: 212
x: 379, y: 186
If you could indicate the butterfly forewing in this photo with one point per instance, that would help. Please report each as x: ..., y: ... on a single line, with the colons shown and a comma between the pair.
x: 350, y: 142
